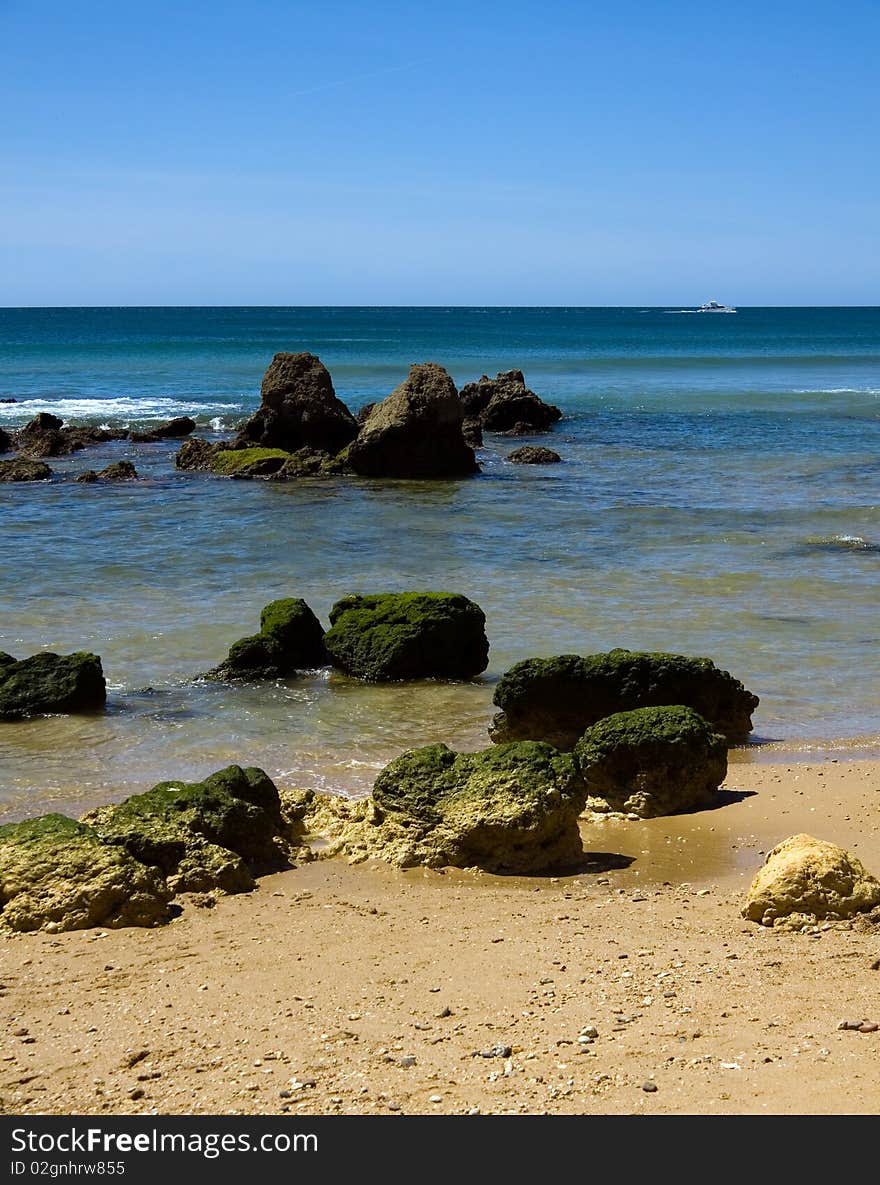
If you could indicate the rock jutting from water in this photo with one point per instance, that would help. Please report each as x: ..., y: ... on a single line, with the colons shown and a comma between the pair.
x: 51, y: 683
x: 652, y: 761
x: 806, y: 880
x: 506, y: 404
x: 557, y: 699
x: 171, y: 430
x: 47, y: 436
x: 408, y: 636
x: 416, y: 432
x: 21, y: 469
x: 299, y: 408
x: 118, y: 471
x: 511, y: 809
x: 291, y: 639
x: 532, y: 455
x: 5, y: 441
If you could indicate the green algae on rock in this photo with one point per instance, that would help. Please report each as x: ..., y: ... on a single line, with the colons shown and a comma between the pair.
x: 513, y: 809
x: 652, y: 761
x: 57, y: 874
x: 557, y: 699
x: 51, y: 683
x: 22, y: 469
x: 215, y: 834
x: 805, y: 880
x: 291, y: 639
x: 408, y: 636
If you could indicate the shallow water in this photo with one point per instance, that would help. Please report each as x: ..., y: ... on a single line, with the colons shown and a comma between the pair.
x: 719, y: 495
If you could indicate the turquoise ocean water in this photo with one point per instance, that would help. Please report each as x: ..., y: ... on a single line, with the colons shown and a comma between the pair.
x: 719, y: 495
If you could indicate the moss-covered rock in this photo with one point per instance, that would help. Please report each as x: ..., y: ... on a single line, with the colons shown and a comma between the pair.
x: 215, y: 834
x: 805, y: 880
x: 47, y: 682
x: 652, y: 761
x: 408, y: 636
x: 56, y: 874
x: 199, y: 454
x: 291, y: 639
x: 513, y: 809
x: 248, y: 462
x: 557, y: 699
x: 21, y: 469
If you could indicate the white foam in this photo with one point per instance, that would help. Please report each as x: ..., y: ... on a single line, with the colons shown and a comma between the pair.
x: 122, y: 407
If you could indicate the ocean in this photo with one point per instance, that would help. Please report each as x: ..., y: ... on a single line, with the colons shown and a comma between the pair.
x: 719, y: 495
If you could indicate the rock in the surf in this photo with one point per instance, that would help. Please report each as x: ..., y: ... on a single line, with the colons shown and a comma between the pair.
x: 533, y: 455
x: 416, y: 432
x: 5, y: 441
x: 408, y: 636
x: 511, y: 809
x: 216, y: 834
x: 506, y: 404
x: 50, y: 683
x: 557, y: 699
x: 198, y: 453
x: 299, y: 408
x: 171, y: 430
x: 21, y: 469
x: 291, y: 639
x: 652, y: 761
x: 805, y: 880
x: 57, y: 874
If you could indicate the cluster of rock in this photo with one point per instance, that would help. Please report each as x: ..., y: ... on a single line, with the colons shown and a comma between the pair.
x: 505, y: 404
x: 49, y: 683
x: 123, y: 865
x: 48, y: 436
x: 556, y: 699
x: 423, y: 429
x: 379, y: 637
x: 514, y: 808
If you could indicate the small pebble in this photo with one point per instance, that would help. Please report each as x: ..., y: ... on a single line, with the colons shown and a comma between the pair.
x: 407, y: 1061
x: 868, y: 1026
x: 649, y: 1087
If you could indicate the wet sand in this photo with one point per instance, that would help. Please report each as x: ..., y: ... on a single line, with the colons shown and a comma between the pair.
x: 350, y: 990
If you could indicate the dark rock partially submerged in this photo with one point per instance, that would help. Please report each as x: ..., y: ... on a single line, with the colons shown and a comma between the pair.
x: 50, y: 683
x: 47, y: 436
x: 416, y: 432
x: 530, y: 455
x: 5, y: 441
x: 653, y: 761
x: 506, y: 404
x: 408, y: 636
x: 118, y: 471
x: 291, y: 639
x: 299, y: 408
x: 199, y: 454
x: 21, y: 469
x: 170, y: 430
x: 557, y: 699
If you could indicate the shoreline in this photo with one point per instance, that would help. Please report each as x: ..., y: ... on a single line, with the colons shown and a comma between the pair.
x: 342, y: 1008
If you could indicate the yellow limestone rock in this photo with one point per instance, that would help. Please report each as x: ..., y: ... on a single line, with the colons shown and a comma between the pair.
x: 805, y: 880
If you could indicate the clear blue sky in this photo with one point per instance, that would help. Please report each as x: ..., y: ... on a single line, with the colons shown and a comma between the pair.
x: 282, y: 152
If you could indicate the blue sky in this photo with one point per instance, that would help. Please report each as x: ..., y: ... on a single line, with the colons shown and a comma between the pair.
x: 552, y: 153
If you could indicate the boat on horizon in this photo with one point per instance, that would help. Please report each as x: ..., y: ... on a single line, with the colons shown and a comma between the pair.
x: 711, y: 306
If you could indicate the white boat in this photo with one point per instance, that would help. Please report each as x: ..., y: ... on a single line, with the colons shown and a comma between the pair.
x: 712, y: 306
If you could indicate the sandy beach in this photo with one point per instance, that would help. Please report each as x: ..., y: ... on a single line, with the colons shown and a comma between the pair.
x: 631, y: 987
